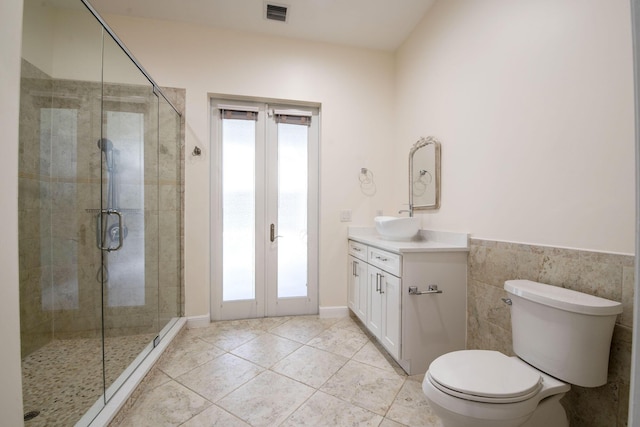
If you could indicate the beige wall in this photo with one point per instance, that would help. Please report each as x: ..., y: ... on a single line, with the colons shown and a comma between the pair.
x: 38, y: 40
x: 55, y: 39
x: 533, y: 103
x: 353, y: 86
x: 11, y: 390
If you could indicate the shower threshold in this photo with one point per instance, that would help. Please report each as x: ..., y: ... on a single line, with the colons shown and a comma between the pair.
x: 119, y: 392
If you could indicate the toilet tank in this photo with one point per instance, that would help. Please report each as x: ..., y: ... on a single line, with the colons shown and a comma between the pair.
x: 565, y: 333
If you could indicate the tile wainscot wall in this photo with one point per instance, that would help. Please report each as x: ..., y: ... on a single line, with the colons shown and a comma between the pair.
x: 605, y: 275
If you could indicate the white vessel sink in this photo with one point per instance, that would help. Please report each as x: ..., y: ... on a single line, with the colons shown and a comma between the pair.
x: 393, y: 228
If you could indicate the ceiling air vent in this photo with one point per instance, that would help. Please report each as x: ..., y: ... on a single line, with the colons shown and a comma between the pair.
x: 276, y: 13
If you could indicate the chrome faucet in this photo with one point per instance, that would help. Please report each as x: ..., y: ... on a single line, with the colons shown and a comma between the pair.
x: 409, y: 211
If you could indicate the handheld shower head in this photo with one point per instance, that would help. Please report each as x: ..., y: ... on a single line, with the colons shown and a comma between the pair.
x: 105, y: 144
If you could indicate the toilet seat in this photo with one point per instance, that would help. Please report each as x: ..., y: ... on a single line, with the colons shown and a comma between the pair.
x: 484, y: 376
x: 508, y: 405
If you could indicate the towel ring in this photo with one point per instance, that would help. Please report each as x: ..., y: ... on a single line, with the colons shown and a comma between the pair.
x: 366, y: 176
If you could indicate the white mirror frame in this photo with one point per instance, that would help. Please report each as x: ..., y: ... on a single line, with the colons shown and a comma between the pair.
x: 423, y: 142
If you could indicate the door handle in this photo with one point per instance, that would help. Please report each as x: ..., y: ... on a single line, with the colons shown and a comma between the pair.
x: 377, y: 282
x: 355, y: 268
x: 272, y: 233
x: 106, y: 213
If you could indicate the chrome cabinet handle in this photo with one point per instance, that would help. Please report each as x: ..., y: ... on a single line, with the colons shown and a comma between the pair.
x: 432, y: 289
x: 382, y: 259
x: 355, y: 269
x: 379, y: 278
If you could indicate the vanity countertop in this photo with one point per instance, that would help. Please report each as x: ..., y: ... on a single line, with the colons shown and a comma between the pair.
x: 425, y: 241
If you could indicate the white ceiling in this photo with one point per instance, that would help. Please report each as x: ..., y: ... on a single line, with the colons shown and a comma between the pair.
x: 375, y: 24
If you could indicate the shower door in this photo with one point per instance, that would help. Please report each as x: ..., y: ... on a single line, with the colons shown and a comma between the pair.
x: 127, y: 224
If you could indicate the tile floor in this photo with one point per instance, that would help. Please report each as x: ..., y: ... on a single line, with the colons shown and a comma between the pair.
x: 286, y: 371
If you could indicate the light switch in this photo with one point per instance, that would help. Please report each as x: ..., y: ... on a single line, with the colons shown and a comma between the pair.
x: 345, y: 215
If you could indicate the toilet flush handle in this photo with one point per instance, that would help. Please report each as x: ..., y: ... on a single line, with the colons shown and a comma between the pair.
x: 507, y: 301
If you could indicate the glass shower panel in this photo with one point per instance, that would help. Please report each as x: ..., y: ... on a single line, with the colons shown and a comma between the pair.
x: 169, y: 215
x: 127, y: 224
x: 59, y: 175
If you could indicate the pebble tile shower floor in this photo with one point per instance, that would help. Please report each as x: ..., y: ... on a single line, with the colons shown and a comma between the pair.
x: 286, y: 371
x: 63, y: 379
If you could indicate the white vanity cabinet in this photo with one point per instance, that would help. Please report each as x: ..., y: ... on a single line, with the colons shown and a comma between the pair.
x: 416, y: 327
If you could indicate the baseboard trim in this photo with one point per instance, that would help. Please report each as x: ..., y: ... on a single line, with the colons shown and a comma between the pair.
x: 194, y: 322
x: 329, y: 312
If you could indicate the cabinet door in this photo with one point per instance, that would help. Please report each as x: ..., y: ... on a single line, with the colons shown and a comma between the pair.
x: 374, y: 306
x: 358, y: 287
x: 354, y: 289
x: 391, y: 309
x: 361, y: 309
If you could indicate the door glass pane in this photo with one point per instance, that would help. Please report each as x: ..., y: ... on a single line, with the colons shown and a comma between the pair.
x: 238, y: 209
x: 292, y: 210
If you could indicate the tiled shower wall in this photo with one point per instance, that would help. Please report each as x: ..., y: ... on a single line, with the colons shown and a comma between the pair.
x: 606, y: 275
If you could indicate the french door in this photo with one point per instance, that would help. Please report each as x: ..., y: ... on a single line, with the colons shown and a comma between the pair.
x: 264, y: 210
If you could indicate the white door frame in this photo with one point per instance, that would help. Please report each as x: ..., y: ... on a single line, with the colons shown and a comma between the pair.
x: 266, y: 303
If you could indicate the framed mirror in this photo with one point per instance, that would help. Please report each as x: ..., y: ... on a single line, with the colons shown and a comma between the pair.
x: 424, y: 174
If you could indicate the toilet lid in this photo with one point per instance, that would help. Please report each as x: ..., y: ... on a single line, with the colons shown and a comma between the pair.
x: 485, y: 376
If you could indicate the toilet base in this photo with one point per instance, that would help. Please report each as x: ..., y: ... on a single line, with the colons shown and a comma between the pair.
x: 549, y: 413
x: 452, y: 419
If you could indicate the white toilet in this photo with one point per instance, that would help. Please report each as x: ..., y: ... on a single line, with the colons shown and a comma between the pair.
x: 561, y: 337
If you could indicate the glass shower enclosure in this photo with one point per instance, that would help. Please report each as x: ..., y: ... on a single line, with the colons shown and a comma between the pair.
x: 100, y: 186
